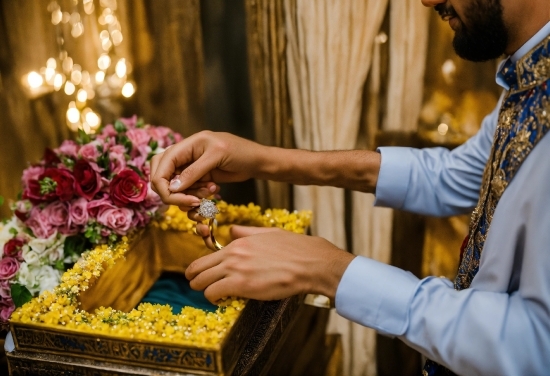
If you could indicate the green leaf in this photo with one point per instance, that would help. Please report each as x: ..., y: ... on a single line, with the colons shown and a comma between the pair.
x: 83, y: 137
x: 119, y: 126
x: 75, y: 245
x: 13, y: 231
x: 59, y: 265
x: 20, y: 294
x: 140, y: 123
x: 136, y: 170
x: 153, y: 144
x: 1, y: 200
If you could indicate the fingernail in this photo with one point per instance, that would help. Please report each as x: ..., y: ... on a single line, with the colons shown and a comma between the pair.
x: 195, y: 202
x: 175, y: 184
x: 213, y: 188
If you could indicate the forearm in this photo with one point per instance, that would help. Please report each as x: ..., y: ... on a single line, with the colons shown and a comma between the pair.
x: 351, y: 169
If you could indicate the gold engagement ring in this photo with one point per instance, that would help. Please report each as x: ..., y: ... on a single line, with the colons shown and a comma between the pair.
x: 208, y: 210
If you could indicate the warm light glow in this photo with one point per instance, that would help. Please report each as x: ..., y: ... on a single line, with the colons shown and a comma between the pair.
x: 442, y: 129
x: 99, y: 77
x: 76, y: 77
x: 128, y: 89
x: 58, y: 81
x: 67, y: 64
x: 104, y: 62
x: 73, y: 115
x: 91, y: 93
x: 116, y: 36
x: 85, y: 78
x: 57, y: 15
x: 120, y: 68
x: 109, y: 19
x: 77, y: 30
x: 35, y: 80
x: 93, y: 119
x: 69, y: 88
x: 51, y: 63
x: 106, y: 44
x: 82, y: 95
x: 88, y: 6
x: 104, y: 34
x: 49, y: 73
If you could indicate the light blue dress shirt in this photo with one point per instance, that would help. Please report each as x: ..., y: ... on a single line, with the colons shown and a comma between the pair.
x: 501, y: 324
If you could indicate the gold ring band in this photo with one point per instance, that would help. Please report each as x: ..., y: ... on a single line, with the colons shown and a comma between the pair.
x: 212, y: 226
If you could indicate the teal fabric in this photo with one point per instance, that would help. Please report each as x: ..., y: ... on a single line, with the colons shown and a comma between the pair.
x: 173, y: 289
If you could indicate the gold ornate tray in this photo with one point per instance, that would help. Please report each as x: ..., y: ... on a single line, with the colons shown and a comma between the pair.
x: 241, y: 349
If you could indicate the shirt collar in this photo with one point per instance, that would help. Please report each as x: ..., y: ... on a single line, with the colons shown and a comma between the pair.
x: 528, y: 46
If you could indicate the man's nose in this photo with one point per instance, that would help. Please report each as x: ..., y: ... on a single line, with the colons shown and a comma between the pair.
x: 432, y: 3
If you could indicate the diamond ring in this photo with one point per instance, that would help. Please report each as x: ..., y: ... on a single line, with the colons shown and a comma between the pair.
x: 208, y: 209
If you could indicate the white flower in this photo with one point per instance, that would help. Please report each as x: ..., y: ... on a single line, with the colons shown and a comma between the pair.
x: 38, y: 278
x: 30, y: 256
x: 50, y: 245
x: 6, y: 231
x: 48, y: 278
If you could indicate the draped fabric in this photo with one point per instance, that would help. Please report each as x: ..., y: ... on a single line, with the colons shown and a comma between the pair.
x: 331, y: 48
x: 329, y: 54
x: 409, y: 22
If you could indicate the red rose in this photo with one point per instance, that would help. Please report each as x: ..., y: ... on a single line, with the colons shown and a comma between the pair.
x: 88, y: 179
x: 54, y: 183
x: 51, y: 158
x: 13, y: 247
x: 127, y: 187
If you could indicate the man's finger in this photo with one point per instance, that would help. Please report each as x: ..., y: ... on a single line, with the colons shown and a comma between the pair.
x: 203, y: 263
x: 221, y: 290
x: 207, y: 277
x: 242, y: 231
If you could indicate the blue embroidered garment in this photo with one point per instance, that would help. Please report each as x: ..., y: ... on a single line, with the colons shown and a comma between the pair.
x: 523, y: 121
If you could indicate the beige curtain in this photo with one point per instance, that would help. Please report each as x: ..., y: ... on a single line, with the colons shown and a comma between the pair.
x: 409, y: 22
x: 332, y: 45
x: 329, y: 54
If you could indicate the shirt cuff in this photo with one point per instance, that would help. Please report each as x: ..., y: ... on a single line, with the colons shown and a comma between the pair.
x: 376, y: 295
x: 394, y: 177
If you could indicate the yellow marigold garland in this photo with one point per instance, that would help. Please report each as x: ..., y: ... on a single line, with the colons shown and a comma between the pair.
x: 152, y: 322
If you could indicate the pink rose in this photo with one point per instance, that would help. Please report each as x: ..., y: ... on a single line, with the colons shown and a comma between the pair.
x: 138, y: 137
x: 6, y: 309
x: 159, y: 134
x: 129, y: 122
x: 127, y: 187
x: 8, y: 267
x: 152, y: 199
x: 108, y: 131
x: 39, y: 224
x: 118, y: 219
x: 95, y: 206
x: 5, y: 289
x: 22, y: 209
x: 78, y: 212
x: 31, y: 174
x: 117, y: 156
x: 56, y: 213
x: 90, y: 152
x: 68, y: 148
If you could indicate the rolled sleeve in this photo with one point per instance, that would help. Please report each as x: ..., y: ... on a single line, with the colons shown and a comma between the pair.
x: 376, y: 295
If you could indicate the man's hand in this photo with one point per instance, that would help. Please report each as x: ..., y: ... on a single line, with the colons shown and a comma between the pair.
x: 192, y: 168
x: 269, y: 264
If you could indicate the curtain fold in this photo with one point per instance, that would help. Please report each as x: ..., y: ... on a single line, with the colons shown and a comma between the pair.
x: 329, y: 54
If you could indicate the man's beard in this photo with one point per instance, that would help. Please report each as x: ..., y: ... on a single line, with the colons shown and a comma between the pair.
x: 485, y: 37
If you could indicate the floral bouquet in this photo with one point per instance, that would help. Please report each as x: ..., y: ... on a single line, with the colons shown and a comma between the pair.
x: 86, y: 192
